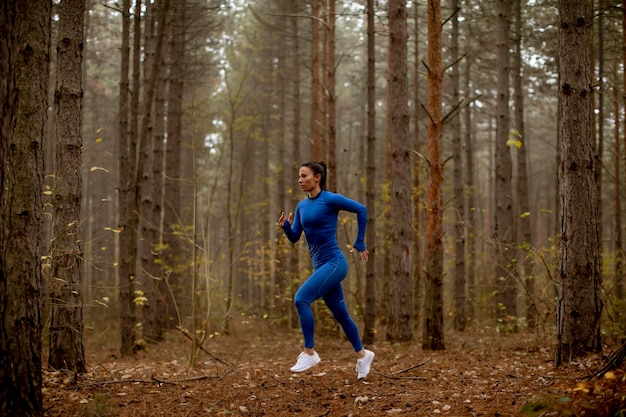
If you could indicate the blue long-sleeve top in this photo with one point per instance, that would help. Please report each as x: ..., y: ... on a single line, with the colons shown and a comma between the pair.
x: 317, y: 217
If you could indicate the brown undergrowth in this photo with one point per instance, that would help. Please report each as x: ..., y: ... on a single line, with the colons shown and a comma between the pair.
x: 477, y: 375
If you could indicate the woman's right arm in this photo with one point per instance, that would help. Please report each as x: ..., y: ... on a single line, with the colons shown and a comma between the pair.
x: 294, y: 232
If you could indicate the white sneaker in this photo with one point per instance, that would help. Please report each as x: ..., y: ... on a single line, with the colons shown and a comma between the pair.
x: 305, y: 361
x: 363, y: 365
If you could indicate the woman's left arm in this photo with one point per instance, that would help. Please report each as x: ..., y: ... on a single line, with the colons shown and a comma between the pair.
x: 347, y: 204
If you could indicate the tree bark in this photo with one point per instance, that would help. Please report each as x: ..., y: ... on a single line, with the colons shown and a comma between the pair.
x: 370, y: 191
x: 418, y: 206
x: 504, y: 227
x: 620, y: 278
x: 25, y: 28
x: 296, y: 153
x: 315, y: 81
x: 523, y: 214
x: 617, y: 183
x: 579, y: 304
x: 126, y: 280
x: 433, y: 336
x: 460, y: 299
x: 470, y: 193
x: 401, y: 308
x: 66, y: 350
x: 331, y: 99
x: 170, y: 287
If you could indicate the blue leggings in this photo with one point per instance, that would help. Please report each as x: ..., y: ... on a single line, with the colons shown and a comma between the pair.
x: 325, y: 282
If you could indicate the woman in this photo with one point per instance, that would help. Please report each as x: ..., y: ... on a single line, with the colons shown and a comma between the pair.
x: 317, y: 217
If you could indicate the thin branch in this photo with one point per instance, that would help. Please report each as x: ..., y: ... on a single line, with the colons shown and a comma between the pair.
x: 409, y: 368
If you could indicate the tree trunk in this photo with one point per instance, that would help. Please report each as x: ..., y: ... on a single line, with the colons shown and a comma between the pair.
x: 331, y: 99
x: 523, y: 213
x: 143, y: 199
x: 617, y: 168
x: 433, y: 336
x: 470, y: 206
x: 296, y: 154
x: 24, y: 75
x: 174, y: 264
x: 151, y: 204
x: 369, y: 332
x: 126, y: 280
x: 460, y: 299
x: 417, y: 184
x: 598, y: 132
x: 401, y: 308
x: 315, y: 80
x: 579, y: 304
x: 66, y: 349
x: 281, y: 304
x: 504, y: 228
x: 620, y: 282
x: 131, y: 209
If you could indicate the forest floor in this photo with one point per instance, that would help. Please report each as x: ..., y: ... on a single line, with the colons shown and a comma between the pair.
x: 479, y: 374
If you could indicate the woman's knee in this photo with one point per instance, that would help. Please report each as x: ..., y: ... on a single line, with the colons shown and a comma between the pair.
x: 301, y: 301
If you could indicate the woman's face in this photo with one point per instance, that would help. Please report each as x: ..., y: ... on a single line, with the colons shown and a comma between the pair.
x: 307, y: 180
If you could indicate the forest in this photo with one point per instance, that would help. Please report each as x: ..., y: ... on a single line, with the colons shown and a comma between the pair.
x: 149, y: 147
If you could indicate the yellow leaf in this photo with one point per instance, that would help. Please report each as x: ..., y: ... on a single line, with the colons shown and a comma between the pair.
x: 581, y: 386
x: 92, y: 169
x: 517, y: 143
x: 47, y: 192
x: 610, y: 375
x: 98, y: 140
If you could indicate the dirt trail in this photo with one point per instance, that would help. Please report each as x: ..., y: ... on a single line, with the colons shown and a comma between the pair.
x: 477, y: 375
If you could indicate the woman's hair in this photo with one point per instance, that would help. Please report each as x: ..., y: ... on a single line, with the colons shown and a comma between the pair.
x: 318, y: 168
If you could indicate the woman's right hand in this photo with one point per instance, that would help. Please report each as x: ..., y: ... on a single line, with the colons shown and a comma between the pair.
x: 281, y: 219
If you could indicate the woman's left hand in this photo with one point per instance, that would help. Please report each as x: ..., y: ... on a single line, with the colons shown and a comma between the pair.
x: 363, y: 255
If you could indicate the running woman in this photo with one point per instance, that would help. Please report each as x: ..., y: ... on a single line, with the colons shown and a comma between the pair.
x: 317, y: 217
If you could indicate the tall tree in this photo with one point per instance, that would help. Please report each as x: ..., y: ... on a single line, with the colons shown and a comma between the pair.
x: 126, y: 279
x: 25, y: 28
x: 281, y: 264
x: 504, y: 228
x: 617, y: 183
x: 170, y: 287
x: 579, y: 303
x: 401, y: 308
x: 142, y: 191
x: 470, y: 195
x: 370, y: 192
x: 295, y: 131
x: 331, y: 99
x: 66, y: 350
x: 151, y: 207
x: 417, y: 173
x: 598, y: 123
x: 620, y: 278
x: 315, y: 80
x: 523, y: 210
x: 433, y: 336
x: 457, y: 175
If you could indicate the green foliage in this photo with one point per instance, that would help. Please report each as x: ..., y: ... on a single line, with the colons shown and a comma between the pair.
x: 100, y: 405
x: 541, y: 406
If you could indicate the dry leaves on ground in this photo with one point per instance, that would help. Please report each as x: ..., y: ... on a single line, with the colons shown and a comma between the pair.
x: 477, y: 375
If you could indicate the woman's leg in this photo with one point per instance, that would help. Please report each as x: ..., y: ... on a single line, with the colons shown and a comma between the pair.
x: 323, y: 280
x: 336, y: 302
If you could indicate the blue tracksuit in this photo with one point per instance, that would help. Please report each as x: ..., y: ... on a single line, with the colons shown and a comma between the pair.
x: 317, y: 217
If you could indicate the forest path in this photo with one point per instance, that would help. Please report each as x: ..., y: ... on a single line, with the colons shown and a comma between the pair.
x: 477, y: 375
